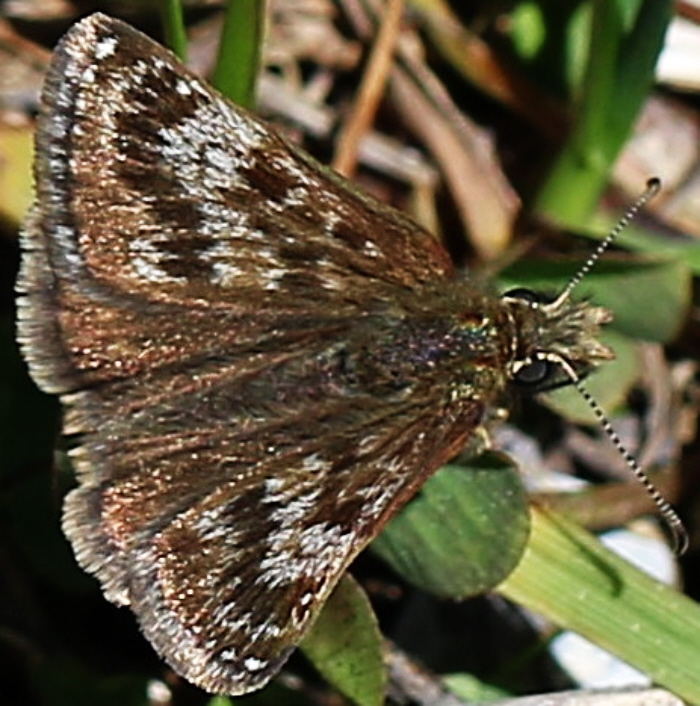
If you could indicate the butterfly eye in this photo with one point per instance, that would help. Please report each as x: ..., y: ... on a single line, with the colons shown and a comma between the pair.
x: 527, y: 295
x: 523, y: 293
x: 534, y: 373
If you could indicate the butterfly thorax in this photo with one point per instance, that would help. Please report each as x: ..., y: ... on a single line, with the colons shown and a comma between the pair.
x: 461, y: 341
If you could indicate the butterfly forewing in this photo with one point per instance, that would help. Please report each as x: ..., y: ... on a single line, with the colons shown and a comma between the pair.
x: 171, y: 191
x: 164, y: 193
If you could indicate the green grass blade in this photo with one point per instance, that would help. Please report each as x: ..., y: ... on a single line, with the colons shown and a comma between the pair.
x: 567, y: 575
x: 174, y: 27
x: 240, y: 50
x: 622, y: 53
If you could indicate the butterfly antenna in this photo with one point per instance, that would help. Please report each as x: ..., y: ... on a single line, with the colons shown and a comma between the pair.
x: 674, y: 523
x: 652, y: 188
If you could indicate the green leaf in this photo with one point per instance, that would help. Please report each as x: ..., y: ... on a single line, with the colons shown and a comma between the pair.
x: 464, y: 532
x: 345, y: 645
x: 568, y: 576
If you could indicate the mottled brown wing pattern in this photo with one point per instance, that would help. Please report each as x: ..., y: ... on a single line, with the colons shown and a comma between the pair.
x: 226, y: 572
x: 226, y: 322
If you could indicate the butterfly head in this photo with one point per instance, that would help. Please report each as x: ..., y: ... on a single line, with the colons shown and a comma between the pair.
x: 557, y: 341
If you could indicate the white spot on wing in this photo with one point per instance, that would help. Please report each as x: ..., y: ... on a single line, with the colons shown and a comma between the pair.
x: 106, y: 47
x: 318, y: 550
x: 183, y: 88
x: 370, y: 249
x: 314, y: 462
x: 254, y: 664
x: 147, y: 259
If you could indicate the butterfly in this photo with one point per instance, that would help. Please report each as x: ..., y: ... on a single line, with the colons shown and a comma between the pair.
x: 259, y: 364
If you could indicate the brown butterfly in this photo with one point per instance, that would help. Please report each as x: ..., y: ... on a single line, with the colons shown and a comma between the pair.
x: 259, y: 364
